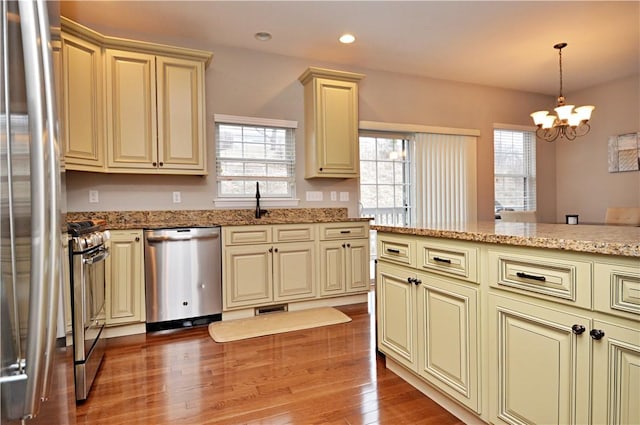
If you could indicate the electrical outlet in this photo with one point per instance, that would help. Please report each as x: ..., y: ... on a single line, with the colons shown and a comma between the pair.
x: 177, y: 198
x: 344, y: 196
x: 334, y: 195
x: 313, y: 195
x: 93, y: 197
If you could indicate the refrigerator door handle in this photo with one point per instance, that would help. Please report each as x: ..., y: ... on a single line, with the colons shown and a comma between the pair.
x: 53, y: 190
x: 40, y: 291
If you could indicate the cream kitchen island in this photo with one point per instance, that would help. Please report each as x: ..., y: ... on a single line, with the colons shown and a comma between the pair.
x: 514, y: 322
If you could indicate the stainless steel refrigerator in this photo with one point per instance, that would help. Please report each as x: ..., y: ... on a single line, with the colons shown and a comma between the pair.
x: 30, y: 215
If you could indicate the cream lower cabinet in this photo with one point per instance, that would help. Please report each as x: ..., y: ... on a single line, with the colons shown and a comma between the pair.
x: 266, y: 265
x: 616, y: 374
x: 539, y: 364
x: 344, y: 258
x: 430, y: 325
x: 124, y: 273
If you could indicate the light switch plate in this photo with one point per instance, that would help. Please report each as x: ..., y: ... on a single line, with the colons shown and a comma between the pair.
x: 93, y: 197
x: 177, y: 198
x: 344, y: 196
x: 334, y: 195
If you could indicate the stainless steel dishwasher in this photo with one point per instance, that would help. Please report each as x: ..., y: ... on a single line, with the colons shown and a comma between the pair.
x: 183, y: 277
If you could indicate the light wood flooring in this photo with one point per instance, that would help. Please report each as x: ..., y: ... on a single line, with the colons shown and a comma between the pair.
x: 327, y: 375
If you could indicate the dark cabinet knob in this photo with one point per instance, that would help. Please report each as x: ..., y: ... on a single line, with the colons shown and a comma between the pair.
x: 597, y: 334
x: 348, y: 245
x: 578, y: 329
x: 185, y: 303
x: 320, y: 168
x: 155, y: 164
x: 276, y: 250
x: 271, y: 249
x: 410, y: 279
x: 137, y: 238
x: 161, y: 164
x: 344, y: 245
x: 417, y: 281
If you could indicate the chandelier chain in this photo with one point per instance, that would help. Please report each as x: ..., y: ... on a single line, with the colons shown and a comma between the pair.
x: 560, y: 61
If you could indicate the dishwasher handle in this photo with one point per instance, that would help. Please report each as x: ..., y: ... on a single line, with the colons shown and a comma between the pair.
x: 181, y: 237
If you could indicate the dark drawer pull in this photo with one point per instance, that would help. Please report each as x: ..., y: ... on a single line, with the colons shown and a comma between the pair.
x: 442, y: 260
x: 345, y: 231
x: 531, y: 276
x: 393, y: 251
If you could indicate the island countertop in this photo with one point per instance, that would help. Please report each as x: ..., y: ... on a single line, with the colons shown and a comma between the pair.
x: 598, y: 239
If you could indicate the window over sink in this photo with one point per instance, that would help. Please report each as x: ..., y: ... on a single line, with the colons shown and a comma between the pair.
x: 250, y: 150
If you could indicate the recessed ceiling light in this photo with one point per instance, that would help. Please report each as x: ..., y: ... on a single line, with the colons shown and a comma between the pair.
x: 262, y: 36
x: 347, y: 38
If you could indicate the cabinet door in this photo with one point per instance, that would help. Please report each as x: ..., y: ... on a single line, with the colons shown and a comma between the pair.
x: 125, y: 278
x: 247, y: 276
x: 181, y: 120
x: 332, y: 259
x: 336, y: 129
x: 294, y: 272
x: 357, y: 272
x: 395, y: 308
x: 616, y: 375
x: 82, y: 120
x: 448, y: 332
x: 131, y: 110
x: 539, y: 367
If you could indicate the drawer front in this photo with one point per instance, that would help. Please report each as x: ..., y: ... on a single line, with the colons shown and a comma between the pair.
x: 396, y: 249
x: 450, y: 259
x: 332, y: 231
x: 617, y: 290
x: 294, y: 233
x: 567, y: 281
x: 242, y: 235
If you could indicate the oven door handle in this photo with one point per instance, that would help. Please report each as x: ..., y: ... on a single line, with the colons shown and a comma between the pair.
x: 96, y: 258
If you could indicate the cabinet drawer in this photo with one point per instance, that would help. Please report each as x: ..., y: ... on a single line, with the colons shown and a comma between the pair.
x: 397, y: 249
x: 331, y: 231
x: 294, y: 233
x: 448, y: 258
x: 617, y: 290
x: 242, y: 235
x: 567, y: 281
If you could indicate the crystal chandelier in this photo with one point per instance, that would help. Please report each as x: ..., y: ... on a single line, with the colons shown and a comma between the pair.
x: 569, y: 123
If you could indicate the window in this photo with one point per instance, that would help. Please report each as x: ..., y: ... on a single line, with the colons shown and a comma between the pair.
x: 250, y: 150
x: 385, y: 178
x: 514, y: 170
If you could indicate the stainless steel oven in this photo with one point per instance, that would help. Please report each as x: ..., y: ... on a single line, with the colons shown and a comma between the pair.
x: 87, y: 256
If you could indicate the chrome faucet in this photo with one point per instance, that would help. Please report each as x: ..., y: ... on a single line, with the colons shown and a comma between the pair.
x: 259, y: 212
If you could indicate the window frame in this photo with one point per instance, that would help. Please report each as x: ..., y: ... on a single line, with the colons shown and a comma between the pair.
x: 529, y: 158
x: 408, y: 184
x: 226, y: 200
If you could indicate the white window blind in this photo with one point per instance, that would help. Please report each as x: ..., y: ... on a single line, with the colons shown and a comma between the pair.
x: 514, y: 170
x: 445, y: 179
x: 250, y: 150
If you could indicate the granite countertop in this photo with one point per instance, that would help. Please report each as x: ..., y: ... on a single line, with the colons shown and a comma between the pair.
x: 121, y: 220
x: 608, y: 240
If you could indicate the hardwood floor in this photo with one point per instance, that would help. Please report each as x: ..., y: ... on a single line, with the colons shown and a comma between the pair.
x: 328, y: 375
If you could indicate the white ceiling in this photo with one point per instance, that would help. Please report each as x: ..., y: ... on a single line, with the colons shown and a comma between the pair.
x: 497, y: 43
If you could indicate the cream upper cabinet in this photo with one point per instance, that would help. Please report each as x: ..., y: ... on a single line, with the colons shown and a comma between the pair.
x: 82, y: 112
x: 130, y: 106
x: 124, y: 274
x: 331, y: 123
x: 155, y: 113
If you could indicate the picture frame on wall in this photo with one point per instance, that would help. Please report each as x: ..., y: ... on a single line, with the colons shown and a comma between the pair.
x: 624, y: 152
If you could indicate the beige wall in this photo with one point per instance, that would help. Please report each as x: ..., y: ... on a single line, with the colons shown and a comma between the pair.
x: 584, y: 185
x: 243, y: 82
